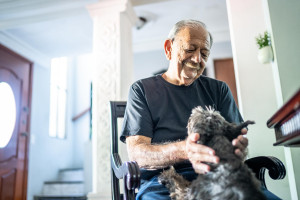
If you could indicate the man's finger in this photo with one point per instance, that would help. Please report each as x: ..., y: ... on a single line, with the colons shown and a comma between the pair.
x: 195, y: 157
x: 243, y: 140
x: 239, y: 153
x: 240, y: 142
x: 244, y: 131
x: 194, y: 137
x: 236, y: 143
x: 199, y: 148
x: 201, y: 168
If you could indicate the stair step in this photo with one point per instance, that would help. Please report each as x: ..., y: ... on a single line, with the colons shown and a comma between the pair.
x: 71, y: 174
x: 63, y: 188
x: 60, y: 197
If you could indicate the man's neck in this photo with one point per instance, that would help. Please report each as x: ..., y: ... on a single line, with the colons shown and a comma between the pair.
x: 168, y: 77
x: 171, y: 77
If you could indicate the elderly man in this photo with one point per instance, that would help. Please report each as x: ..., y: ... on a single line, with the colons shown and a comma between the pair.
x: 158, y: 109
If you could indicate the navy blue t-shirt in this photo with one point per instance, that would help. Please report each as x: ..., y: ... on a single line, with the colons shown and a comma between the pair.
x: 160, y: 110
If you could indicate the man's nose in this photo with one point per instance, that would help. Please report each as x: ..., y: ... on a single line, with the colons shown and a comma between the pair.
x: 196, y: 57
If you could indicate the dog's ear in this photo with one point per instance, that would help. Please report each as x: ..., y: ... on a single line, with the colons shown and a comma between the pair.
x: 233, y: 130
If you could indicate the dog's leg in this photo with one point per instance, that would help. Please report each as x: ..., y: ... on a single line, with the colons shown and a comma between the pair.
x: 176, y: 184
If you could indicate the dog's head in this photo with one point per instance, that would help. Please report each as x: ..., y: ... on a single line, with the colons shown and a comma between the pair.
x: 206, y: 121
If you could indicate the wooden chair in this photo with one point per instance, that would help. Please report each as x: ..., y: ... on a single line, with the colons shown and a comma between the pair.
x: 130, y: 172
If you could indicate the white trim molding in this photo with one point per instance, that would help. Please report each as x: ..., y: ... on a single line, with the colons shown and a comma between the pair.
x: 24, y: 49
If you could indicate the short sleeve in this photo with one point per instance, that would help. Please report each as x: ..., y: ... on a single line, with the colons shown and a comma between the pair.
x: 137, y: 118
x: 227, y: 105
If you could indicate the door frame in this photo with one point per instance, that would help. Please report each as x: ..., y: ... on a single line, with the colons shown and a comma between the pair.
x: 28, y: 117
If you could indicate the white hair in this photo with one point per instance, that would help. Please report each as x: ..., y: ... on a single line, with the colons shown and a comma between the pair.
x: 187, y: 23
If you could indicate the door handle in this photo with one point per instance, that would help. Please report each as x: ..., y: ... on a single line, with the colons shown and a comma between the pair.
x: 24, y: 134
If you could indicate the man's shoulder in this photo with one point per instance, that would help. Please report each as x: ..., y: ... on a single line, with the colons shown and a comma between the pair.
x: 209, y: 80
x: 151, y: 79
x: 146, y: 81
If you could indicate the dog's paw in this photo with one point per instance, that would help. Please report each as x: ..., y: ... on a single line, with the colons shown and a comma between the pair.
x: 166, y: 175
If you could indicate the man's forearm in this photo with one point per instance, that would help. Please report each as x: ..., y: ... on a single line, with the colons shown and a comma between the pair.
x: 155, y: 156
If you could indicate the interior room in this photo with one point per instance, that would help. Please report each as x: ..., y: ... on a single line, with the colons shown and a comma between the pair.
x: 81, y: 54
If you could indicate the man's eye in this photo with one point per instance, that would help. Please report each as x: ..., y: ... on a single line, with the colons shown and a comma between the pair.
x: 204, y: 55
x: 190, y: 50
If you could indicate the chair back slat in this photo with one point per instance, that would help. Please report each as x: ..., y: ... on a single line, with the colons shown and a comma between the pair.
x: 117, y: 110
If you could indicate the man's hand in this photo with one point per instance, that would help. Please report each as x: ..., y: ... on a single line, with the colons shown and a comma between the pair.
x: 198, y: 153
x: 241, y: 144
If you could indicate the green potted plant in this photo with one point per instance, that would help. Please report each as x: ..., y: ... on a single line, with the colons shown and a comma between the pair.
x: 265, y: 53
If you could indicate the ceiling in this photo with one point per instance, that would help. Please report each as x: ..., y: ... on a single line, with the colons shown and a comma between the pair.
x: 56, y: 28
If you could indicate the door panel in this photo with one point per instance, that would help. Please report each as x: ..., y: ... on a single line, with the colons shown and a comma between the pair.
x: 17, y: 73
x: 7, y: 180
x: 224, y: 71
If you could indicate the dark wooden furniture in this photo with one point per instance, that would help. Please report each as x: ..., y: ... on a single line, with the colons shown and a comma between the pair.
x: 286, y: 122
x: 259, y: 165
x: 60, y: 198
x: 130, y: 172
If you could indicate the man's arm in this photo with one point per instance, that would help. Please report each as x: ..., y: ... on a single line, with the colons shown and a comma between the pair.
x: 154, y: 156
x: 151, y: 156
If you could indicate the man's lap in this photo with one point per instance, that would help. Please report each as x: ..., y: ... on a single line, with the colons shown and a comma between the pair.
x: 152, y: 189
x: 269, y: 195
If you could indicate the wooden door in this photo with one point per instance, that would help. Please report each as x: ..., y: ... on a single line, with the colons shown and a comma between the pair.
x: 16, y: 74
x: 224, y: 71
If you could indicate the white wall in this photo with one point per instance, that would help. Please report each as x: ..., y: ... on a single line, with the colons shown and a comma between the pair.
x: 46, y: 155
x: 81, y: 82
x: 257, y: 91
x: 149, y: 62
x: 285, y: 31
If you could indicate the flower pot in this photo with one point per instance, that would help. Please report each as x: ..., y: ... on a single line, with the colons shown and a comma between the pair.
x: 265, y: 55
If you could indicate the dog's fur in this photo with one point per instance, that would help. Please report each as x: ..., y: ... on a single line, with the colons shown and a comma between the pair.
x: 230, y: 178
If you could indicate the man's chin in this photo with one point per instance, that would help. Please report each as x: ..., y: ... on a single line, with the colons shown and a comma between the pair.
x: 188, y: 81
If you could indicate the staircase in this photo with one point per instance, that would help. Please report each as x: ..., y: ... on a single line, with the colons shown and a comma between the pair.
x: 69, y: 185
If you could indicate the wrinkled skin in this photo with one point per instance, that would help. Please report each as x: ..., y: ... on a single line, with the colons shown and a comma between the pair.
x: 188, y: 53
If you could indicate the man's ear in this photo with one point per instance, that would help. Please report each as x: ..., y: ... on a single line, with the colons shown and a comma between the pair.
x: 168, y: 49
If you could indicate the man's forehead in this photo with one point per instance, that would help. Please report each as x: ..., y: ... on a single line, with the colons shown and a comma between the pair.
x: 196, y: 35
x: 192, y: 33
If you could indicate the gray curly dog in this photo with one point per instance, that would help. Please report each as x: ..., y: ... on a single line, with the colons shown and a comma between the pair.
x: 230, y: 179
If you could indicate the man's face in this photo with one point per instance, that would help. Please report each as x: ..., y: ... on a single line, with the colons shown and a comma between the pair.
x: 189, y: 54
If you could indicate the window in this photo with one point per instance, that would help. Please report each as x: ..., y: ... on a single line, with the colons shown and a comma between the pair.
x: 7, y: 114
x: 58, y: 97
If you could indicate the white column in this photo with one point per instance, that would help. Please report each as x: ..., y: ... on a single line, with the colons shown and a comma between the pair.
x: 286, y: 70
x: 113, y: 20
x: 256, y: 83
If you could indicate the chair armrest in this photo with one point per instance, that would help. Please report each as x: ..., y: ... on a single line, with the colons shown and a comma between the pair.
x: 261, y: 163
x: 129, y: 171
